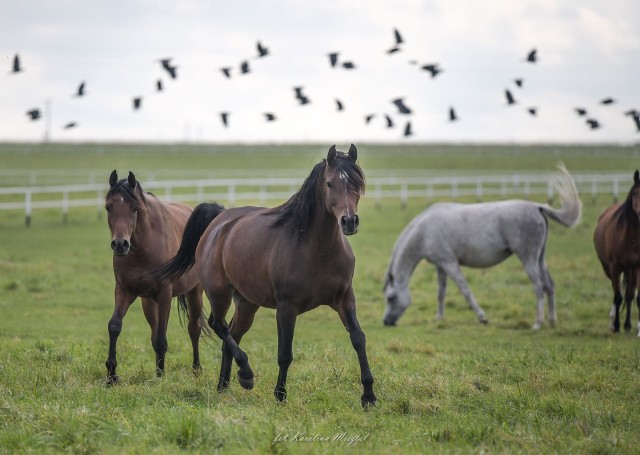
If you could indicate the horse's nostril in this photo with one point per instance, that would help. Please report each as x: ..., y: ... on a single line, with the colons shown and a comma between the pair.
x: 113, y: 245
x: 343, y: 221
x: 357, y: 220
x: 125, y: 244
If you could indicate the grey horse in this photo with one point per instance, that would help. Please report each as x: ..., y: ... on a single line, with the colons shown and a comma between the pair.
x: 480, y: 235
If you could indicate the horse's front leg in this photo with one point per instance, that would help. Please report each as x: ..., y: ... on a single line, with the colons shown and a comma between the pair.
x: 156, y: 312
x: 442, y: 291
x: 286, y: 318
x: 452, y: 269
x: 614, y: 314
x: 123, y: 301
x: 628, y: 298
x: 347, y: 312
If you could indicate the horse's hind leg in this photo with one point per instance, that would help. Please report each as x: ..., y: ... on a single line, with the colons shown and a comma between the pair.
x: 453, y: 270
x: 220, y: 300
x: 156, y: 311
x: 548, y: 287
x: 535, y: 275
x: 240, y: 324
x: 123, y: 301
x: 194, y: 301
x: 442, y: 291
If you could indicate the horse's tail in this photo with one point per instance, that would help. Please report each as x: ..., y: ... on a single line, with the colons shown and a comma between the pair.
x: 184, y: 259
x: 571, y: 210
x: 183, y: 314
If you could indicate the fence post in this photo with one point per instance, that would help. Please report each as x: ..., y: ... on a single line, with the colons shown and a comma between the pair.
x: 378, y: 195
x: 65, y: 206
x: 231, y: 195
x: 27, y: 208
x: 454, y: 189
x: 403, y: 195
x: 263, y: 195
x: 479, y: 190
x: 594, y: 190
x: 199, y: 194
x: 99, y: 204
x: 615, y: 190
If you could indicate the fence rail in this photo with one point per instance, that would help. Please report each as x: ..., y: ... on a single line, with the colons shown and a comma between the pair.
x: 233, y: 190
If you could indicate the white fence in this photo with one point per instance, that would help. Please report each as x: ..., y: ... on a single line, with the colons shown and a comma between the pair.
x: 261, y: 190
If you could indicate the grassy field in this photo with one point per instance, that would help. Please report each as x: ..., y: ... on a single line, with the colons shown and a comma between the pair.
x: 443, y: 387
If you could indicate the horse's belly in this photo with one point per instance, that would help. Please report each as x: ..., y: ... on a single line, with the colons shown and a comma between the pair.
x: 483, y: 258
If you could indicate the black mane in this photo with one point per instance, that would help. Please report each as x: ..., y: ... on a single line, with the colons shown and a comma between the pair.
x: 134, y: 196
x: 625, y: 212
x: 297, y: 212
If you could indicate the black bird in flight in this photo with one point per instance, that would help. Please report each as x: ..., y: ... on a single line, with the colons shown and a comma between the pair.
x: 70, y: 125
x: 333, y: 59
x: 581, y: 111
x: 593, y: 124
x: 16, y: 64
x: 518, y: 82
x: 452, y: 115
x: 636, y: 117
x: 262, y: 51
x: 137, y: 103
x: 339, y: 105
x: 432, y: 68
x: 300, y: 96
x: 368, y: 118
x: 224, y: 116
x: 269, y: 116
x: 607, y: 101
x: 389, y: 121
x: 348, y: 65
x: 80, y: 91
x: 398, y: 41
x: 533, y: 111
x: 171, y: 70
x: 226, y: 71
x: 407, y: 130
x: 159, y: 85
x: 402, y: 108
x: 34, y: 114
x: 244, y: 67
x: 510, y: 98
x: 532, y: 56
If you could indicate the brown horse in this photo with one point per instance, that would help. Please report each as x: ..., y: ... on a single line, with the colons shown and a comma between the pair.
x: 291, y: 258
x: 145, y: 233
x: 617, y: 242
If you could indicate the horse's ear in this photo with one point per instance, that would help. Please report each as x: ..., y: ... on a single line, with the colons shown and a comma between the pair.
x: 132, y: 180
x: 388, y: 281
x: 113, y: 178
x: 353, y: 153
x: 636, y: 176
x: 331, y: 156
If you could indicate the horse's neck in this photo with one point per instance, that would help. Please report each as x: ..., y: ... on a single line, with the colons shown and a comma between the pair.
x: 146, y: 230
x: 404, y: 259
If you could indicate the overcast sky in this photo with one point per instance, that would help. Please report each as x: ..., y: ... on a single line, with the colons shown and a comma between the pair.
x: 588, y: 50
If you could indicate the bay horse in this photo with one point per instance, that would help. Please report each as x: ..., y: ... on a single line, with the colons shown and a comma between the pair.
x: 291, y: 258
x: 145, y: 233
x: 617, y: 243
x: 479, y: 235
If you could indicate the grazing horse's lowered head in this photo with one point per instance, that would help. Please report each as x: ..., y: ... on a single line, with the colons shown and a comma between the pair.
x: 123, y: 202
x: 342, y: 188
x: 397, y: 299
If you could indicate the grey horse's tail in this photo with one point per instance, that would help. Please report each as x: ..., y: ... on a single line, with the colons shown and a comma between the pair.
x: 571, y: 210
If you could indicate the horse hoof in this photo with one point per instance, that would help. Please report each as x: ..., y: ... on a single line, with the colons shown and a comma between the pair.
x: 281, y: 395
x: 246, y: 383
x: 197, y: 370
x: 113, y: 380
x: 483, y: 320
x: 368, y: 401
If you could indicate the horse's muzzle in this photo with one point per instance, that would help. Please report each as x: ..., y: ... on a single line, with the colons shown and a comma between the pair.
x: 349, y: 224
x: 388, y: 322
x: 120, y: 247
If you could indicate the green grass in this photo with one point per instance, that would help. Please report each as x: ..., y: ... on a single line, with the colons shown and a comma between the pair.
x: 453, y: 386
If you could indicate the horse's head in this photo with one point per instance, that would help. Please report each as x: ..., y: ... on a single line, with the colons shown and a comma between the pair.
x: 398, y: 300
x: 634, y: 195
x: 123, y: 202
x: 343, y: 185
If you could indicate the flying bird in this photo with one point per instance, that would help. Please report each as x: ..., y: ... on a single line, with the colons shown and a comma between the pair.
x: 407, y: 130
x: 171, y: 70
x: 159, y: 85
x: 333, y: 59
x: 452, y: 115
x: 593, y: 124
x: 300, y: 96
x: 80, y: 91
x: 397, y: 41
x: 518, y: 82
x: 607, y: 101
x: 636, y: 117
x: 533, y: 111
x: 348, y: 65
x: 262, y: 51
x: 269, y: 116
x: 389, y: 121
x: 339, y: 105
x: 368, y: 118
x: 244, y: 67
x: 510, y: 98
x: 137, y: 103
x: 16, y: 64
x: 402, y: 108
x: 70, y: 125
x: 224, y: 116
x: 581, y: 111
x: 34, y: 114
x: 432, y: 68
x: 532, y: 56
x: 226, y: 71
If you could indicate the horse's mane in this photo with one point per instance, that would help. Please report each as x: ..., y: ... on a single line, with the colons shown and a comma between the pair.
x: 297, y: 212
x: 134, y: 196
x: 625, y: 212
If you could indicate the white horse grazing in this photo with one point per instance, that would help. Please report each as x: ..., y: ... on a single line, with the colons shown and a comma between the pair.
x: 481, y: 235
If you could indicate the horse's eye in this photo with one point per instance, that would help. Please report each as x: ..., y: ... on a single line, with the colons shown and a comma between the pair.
x: 329, y: 184
x: 108, y: 208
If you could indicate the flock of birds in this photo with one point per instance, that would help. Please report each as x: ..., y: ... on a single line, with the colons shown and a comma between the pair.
x: 403, y: 109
